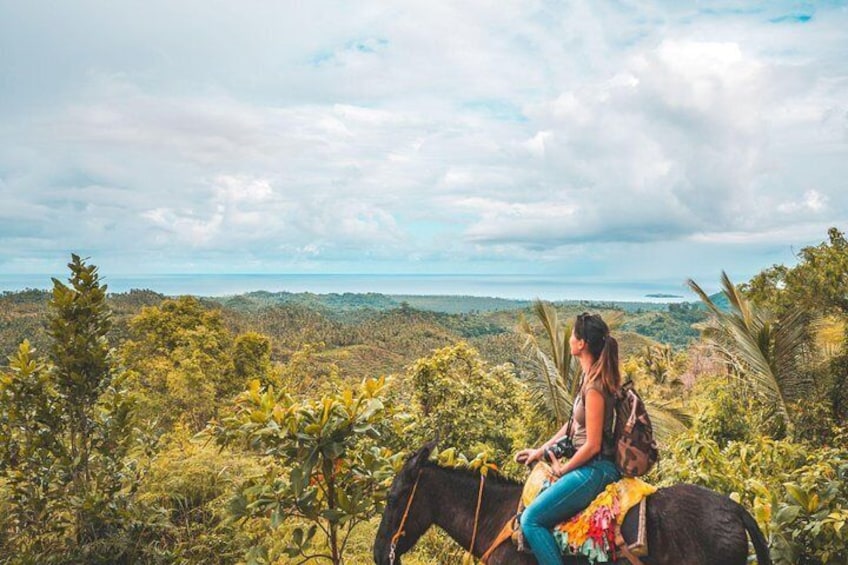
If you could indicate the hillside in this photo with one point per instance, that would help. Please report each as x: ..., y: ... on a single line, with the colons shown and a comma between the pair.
x: 366, y: 334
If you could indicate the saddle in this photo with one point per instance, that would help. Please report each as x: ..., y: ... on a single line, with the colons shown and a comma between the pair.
x: 599, y: 532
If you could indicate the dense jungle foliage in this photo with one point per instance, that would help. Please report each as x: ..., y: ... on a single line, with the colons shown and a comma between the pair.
x: 265, y: 428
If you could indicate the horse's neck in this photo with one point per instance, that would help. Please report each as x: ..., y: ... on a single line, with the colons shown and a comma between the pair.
x: 456, y: 496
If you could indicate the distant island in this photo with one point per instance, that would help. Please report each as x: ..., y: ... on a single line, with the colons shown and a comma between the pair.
x: 662, y: 295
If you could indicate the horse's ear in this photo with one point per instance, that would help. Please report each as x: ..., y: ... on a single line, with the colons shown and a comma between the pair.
x: 422, y: 455
x: 430, y: 446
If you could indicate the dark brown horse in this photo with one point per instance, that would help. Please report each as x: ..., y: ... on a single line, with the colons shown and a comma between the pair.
x: 687, y: 524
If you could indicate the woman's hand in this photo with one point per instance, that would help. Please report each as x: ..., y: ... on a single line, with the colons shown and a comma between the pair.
x: 527, y: 456
x: 557, y: 468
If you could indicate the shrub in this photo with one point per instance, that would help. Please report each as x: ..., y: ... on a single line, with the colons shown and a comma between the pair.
x: 798, y: 493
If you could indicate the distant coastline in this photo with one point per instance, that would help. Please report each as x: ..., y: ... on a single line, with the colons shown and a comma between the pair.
x: 508, y: 287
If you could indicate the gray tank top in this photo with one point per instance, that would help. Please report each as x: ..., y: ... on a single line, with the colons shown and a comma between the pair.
x: 579, y: 426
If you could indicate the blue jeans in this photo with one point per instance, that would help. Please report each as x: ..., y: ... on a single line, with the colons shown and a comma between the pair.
x: 559, y: 502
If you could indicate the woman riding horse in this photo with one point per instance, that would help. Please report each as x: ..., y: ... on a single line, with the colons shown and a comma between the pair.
x: 687, y: 524
x: 591, y: 468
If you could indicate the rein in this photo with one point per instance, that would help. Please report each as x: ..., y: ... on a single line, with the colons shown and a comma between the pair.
x: 399, y: 533
x: 477, y: 512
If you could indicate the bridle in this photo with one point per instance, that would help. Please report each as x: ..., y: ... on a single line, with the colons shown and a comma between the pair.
x: 400, y: 531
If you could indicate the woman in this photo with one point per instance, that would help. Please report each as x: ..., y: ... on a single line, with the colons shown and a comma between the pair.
x: 592, y: 468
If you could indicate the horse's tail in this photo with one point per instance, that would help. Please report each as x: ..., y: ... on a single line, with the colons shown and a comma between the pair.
x: 757, y: 538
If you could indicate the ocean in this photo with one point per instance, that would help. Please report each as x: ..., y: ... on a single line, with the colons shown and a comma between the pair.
x: 517, y: 287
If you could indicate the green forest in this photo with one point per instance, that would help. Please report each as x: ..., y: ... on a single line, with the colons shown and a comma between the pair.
x: 266, y: 427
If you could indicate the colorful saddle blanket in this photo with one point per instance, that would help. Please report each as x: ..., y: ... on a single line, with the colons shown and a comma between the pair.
x: 591, y: 533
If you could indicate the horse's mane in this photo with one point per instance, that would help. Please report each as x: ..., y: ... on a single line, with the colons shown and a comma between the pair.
x: 473, y: 474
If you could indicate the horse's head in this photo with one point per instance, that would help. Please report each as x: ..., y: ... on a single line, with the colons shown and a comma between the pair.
x: 419, y: 517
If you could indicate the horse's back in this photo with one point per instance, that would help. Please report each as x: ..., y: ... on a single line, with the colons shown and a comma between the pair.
x: 688, y: 524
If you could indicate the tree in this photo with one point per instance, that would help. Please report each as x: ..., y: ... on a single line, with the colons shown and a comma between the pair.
x: 179, y: 363
x: 252, y: 357
x: 473, y: 407
x: 68, y: 430
x: 30, y: 452
x: 335, y: 475
x: 95, y: 417
x: 819, y: 284
x: 819, y: 281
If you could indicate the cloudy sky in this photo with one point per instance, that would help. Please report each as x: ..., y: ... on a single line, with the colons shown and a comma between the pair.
x: 607, y: 141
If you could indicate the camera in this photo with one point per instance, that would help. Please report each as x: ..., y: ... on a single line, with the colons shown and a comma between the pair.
x: 562, y: 448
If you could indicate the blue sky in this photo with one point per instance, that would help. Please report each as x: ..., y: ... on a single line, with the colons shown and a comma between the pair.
x: 607, y: 141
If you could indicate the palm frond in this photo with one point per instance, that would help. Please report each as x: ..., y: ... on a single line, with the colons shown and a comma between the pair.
x: 792, y: 351
x: 829, y: 336
x: 667, y: 421
x: 614, y: 320
x: 546, y: 386
x: 547, y: 315
x: 704, y: 297
x: 765, y: 351
x: 737, y: 301
x: 556, y: 379
x: 557, y: 334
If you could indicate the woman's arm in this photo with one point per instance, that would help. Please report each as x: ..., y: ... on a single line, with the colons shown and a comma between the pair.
x: 527, y: 456
x: 594, y: 435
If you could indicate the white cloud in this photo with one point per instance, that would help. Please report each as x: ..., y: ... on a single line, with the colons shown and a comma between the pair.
x: 184, y: 227
x: 451, y: 133
x: 240, y: 188
x: 800, y: 232
x: 812, y: 201
x: 536, y: 144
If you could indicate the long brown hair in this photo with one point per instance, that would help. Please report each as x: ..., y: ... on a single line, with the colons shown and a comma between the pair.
x: 603, y: 347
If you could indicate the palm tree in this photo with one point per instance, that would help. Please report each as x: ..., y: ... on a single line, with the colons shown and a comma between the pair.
x: 556, y: 382
x: 764, y: 351
x: 659, y: 363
